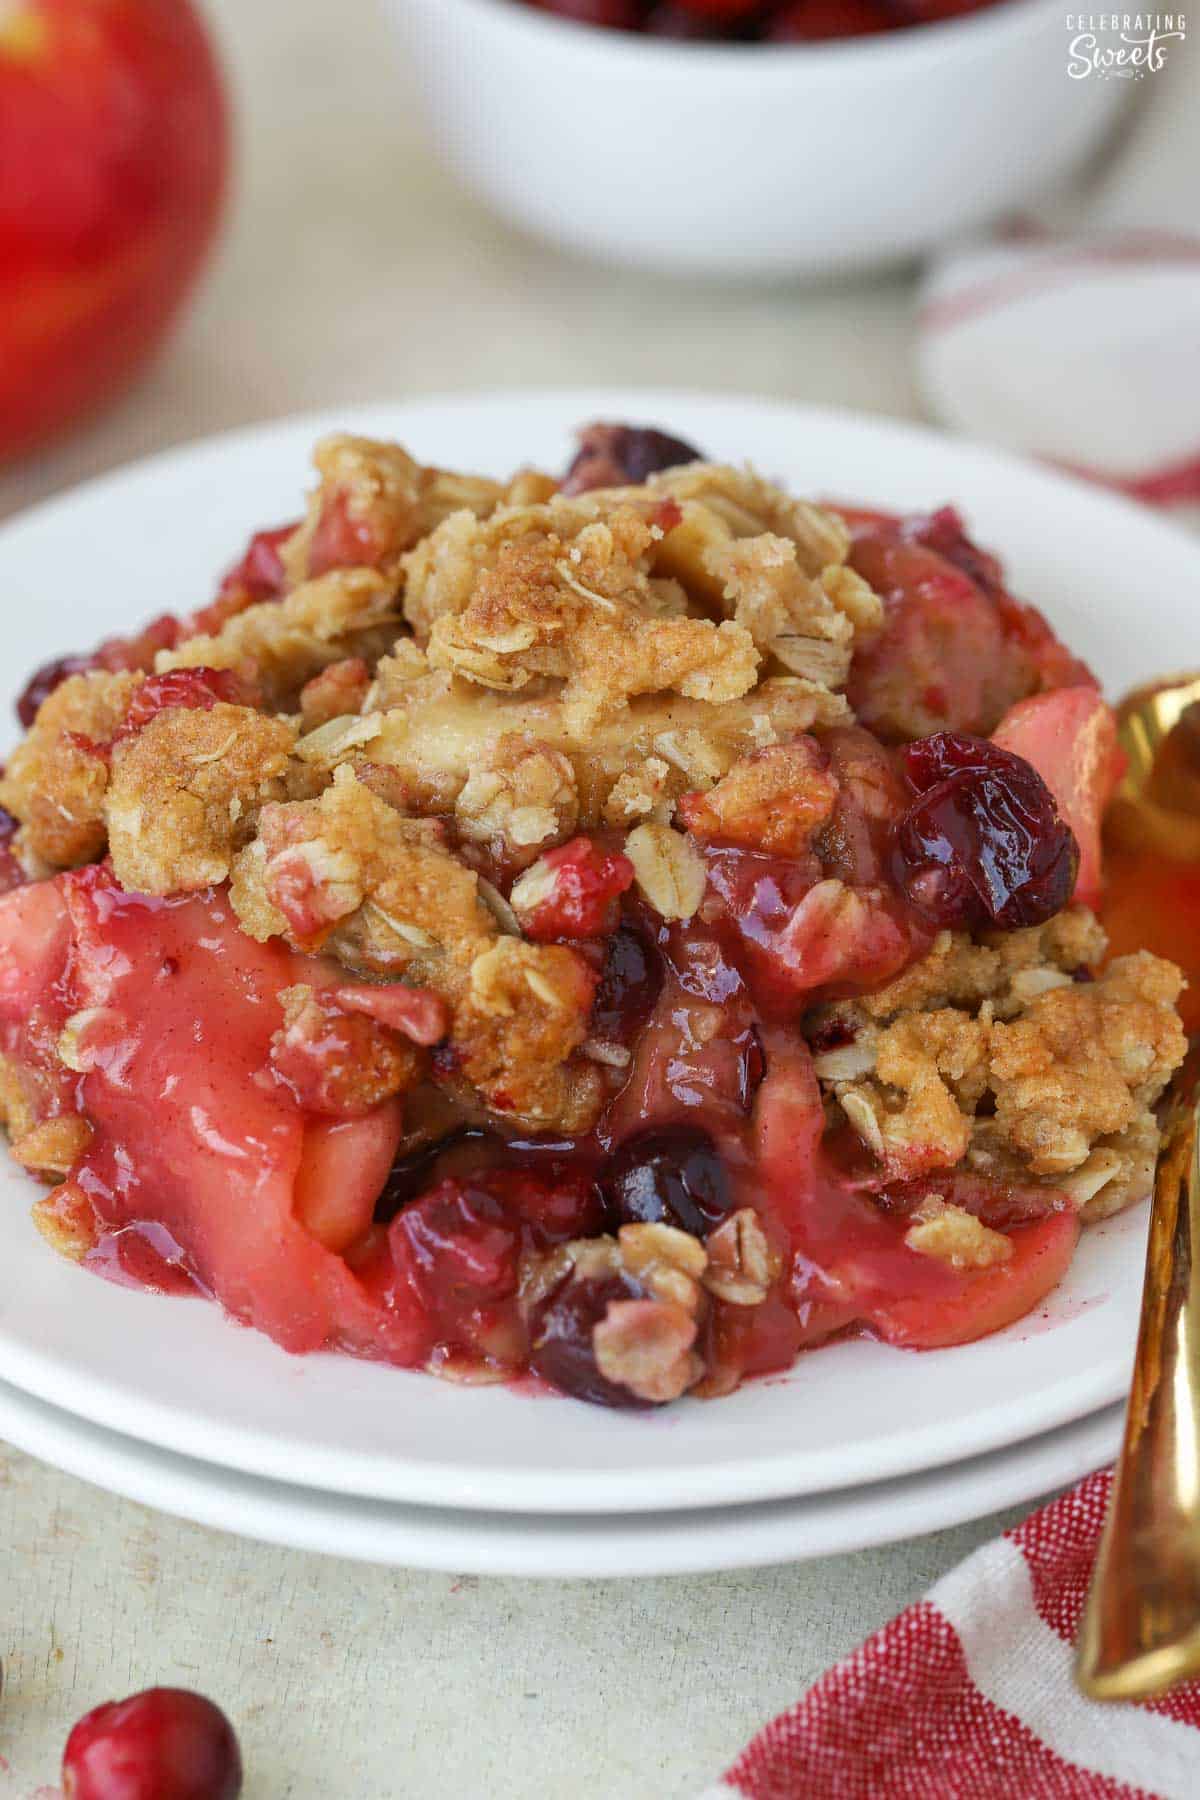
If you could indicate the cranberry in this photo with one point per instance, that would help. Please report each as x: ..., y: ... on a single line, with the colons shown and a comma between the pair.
x: 12, y: 875
x: 673, y: 21
x: 945, y: 532
x: 164, y: 1744
x: 617, y: 15
x: 555, y: 1203
x: 723, y: 12
x: 588, y: 882
x: 412, y: 1174
x: 563, y: 1352
x: 668, y: 1175
x: 43, y: 681
x: 819, y: 21
x: 629, y: 986
x: 198, y: 689
x: 460, y: 1246
x: 259, y: 575
x: 983, y: 843
x: 623, y: 455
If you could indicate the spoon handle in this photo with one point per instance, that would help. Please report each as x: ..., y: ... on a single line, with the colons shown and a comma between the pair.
x: 1141, y: 1626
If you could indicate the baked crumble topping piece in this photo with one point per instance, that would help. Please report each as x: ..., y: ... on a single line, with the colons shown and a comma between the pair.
x: 373, y: 502
x: 808, y: 623
x: 583, y: 612
x: 435, y: 731
x: 185, y: 793
x: 281, y: 645
x: 721, y: 504
x: 955, y: 1236
x: 57, y: 779
x: 517, y: 1030
x: 616, y: 593
x: 45, y: 1134
x: 523, y: 800
x: 1070, y: 1069
x: 1084, y: 1062
x: 349, y: 874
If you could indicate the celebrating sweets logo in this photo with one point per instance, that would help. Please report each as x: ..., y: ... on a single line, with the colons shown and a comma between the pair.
x: 1124, y: 45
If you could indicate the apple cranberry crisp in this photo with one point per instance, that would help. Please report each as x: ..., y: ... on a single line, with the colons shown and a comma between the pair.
x: 626, y: 928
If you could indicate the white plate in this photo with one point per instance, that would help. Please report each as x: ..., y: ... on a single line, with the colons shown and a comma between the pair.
x: 565, y: 1547
x: 1122, y: 588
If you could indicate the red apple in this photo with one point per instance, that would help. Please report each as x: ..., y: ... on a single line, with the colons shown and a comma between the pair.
x: 114, y: 150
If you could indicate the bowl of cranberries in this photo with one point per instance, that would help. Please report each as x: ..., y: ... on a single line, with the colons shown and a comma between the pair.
x: 751, y: 138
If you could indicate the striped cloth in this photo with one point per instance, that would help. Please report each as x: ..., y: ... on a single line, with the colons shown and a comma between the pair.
x: 968, y: 1695
x: 1073, y: 335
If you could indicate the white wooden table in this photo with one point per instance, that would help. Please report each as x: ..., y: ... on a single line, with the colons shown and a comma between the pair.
x: 353, y: 270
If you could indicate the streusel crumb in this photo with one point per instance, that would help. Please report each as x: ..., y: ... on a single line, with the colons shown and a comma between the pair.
x: 57, y: 778
x: 373, y: 502
x: 185, y: 792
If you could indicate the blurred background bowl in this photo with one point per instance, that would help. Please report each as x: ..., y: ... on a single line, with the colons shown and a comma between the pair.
x: 748, y: 159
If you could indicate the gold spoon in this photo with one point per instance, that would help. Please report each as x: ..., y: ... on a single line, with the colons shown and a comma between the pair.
x: 1141, y: 1626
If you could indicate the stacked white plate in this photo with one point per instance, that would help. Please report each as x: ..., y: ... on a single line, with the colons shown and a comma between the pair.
x: 163, y: 1400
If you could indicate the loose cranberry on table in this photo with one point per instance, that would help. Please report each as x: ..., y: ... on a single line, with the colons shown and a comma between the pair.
x: 163, y: 1744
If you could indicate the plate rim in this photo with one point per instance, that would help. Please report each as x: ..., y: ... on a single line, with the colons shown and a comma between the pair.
x: 563, y: 1548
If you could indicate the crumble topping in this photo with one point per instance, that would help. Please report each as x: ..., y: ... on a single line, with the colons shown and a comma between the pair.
x: 57, y: 778
x: 550, y: 822
x: 1070, y: 1069
x: 283, y: 644
x: 186, y: 790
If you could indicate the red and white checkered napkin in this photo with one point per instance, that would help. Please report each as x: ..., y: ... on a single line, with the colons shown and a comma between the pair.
x: 967, y: 1695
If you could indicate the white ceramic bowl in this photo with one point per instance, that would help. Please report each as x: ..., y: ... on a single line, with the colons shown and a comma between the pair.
x: 752, y: 159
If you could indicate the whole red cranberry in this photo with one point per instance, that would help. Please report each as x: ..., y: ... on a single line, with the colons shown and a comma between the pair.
x: 459, y: 1245
x: 623, y: 455
x: 43, y: 682
x: 164, y: 1744
x: 617, y: 15
x: 671, y: 20
x: 629, y: 985
x: 197, y: 690
x: 983, y: 843
x: 668, y: 1175
x: 588, y: 882
x: 563, y: 1351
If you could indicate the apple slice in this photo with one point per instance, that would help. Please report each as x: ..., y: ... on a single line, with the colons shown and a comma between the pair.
x: 1070, y: 737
